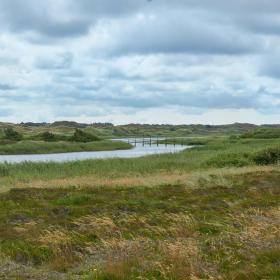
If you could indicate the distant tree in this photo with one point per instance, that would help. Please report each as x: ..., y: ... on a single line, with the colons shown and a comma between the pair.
x: 48, y: 136
x: 82, y: 136
x: 11, y: 134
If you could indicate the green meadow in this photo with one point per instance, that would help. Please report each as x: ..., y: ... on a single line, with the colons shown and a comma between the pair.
x: 211, y: 212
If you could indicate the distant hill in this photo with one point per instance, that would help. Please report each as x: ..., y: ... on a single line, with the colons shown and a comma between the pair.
x: 30, y: 124
x: 110, y: 130
x: 69, y: 124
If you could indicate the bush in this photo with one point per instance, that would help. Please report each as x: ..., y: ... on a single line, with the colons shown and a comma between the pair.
x: 263, y: 133
x: 48, y: 136
x: 82, y: 136
x: 11, y: 134
x: 228, y: 160
x: 267, y: 156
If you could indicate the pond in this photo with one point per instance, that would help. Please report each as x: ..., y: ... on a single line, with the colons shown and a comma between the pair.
x: 138, y: 151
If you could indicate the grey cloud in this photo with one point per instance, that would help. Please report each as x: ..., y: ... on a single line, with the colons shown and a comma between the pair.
x: 56, y: 61
x: 266, y: 24
x: 57, y: 29
x: 6, y: 87
x: 178, y: 32
x: 269, y: 65
x: 71, y: 18
x: 110, y: 8
x: 161, y: 96
x: 191, y: 55
x: 121, y: 7
x: 39, y: 17
x: 187, y: 99
x: 238, y: 6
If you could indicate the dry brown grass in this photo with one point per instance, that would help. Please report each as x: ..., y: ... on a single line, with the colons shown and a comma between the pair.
x: 181, y: 259
x: 260, y: 227
x: 62, y: 247
x: 26, y: 229
x: 178, y: 259
x: 191, y: 179
x: 196, y: 226
x: 103, y: 227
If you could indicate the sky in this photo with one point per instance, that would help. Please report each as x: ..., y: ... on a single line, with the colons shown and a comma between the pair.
x: 141, y: 61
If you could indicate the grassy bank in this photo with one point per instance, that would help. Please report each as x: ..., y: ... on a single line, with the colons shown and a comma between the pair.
x: 212, y: 212
x: 42, y: 147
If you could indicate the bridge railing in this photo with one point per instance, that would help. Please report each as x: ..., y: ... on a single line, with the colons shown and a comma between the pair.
x: 153, y: 141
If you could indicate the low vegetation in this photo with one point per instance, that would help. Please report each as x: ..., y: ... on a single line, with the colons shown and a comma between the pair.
x: 223, y: 225
x: 212, y: 212
x: 14, y: 142
x: 11, y: 134
x: 43, y: 147
x: 262, y: 133
x: 82, y: 136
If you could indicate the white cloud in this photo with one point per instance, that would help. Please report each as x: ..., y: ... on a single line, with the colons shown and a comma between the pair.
x: 161, y: 61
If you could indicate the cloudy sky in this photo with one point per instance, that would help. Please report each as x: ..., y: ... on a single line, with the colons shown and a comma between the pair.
x: 144, y: 61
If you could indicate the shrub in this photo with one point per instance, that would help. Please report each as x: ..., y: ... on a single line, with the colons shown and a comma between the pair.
x: 267, y: 156
x: 228, y: 160
x: 11, y: 134
x: 48, y: 136
x: 262, y: 133
x: 82, y: 136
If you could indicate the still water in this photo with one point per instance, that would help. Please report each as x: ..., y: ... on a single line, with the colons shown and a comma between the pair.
x: 138, y: 151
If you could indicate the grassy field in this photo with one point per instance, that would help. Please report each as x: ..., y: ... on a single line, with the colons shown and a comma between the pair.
x: 42, y: 147
x: 212, y: 212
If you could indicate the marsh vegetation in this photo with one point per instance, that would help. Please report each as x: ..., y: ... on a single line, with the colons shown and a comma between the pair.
x: 15, y: 143
x: 212, y: 212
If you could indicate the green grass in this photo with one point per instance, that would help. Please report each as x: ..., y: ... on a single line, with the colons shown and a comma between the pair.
x: 211, y: 212
x: 225, y: 230
x: 217, y: 153
x: 262, y: 133
x: 41, y: 147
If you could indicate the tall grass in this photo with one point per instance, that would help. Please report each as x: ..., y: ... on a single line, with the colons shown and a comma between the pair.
x: 41, y: 147
x: 216, y: 154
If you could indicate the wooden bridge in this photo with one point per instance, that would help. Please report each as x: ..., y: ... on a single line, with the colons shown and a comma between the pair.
x: 149, y: 141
